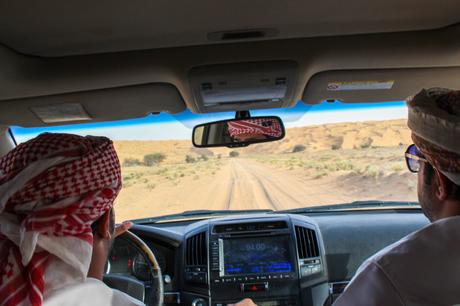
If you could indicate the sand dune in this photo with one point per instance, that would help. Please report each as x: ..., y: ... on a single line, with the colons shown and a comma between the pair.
x: 315, y: 138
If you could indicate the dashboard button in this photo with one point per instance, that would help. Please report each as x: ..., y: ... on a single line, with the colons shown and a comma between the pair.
x: 199, y: 302
x: 256, y: 287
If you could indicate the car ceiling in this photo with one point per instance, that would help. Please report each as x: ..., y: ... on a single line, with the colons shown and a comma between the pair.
x: 76, y: 51
x: 59, y: 28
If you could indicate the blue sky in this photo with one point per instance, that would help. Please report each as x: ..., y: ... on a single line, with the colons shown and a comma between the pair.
x: 179, y: 126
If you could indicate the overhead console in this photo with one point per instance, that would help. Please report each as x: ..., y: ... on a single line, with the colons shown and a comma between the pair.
x: 243, y: 86
x: 273, y: 260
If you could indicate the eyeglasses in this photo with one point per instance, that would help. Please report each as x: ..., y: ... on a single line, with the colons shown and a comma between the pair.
x: 413, y: 158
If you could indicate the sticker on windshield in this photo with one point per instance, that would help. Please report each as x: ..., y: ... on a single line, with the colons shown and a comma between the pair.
x: 360, y: 85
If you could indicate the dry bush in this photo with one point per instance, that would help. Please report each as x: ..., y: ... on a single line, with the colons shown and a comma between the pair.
x: 298, y: 148
x: 234, y: 154
x: 154, y: 159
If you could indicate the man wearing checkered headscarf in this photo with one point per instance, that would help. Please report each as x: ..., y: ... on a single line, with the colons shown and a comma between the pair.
x: 422, y: 268
x: 53, y: 188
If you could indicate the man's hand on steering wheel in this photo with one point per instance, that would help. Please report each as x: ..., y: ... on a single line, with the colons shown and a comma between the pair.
x: 122, y: 228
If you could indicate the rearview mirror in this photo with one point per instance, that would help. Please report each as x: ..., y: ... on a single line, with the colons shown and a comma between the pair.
x: 238, y: 132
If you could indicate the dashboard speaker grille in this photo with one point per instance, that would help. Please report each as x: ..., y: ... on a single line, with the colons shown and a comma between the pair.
x: 307, y: 242
x: 196, y: 250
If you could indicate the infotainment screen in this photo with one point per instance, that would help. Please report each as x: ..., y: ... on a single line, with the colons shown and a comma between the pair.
x: 257, y: 255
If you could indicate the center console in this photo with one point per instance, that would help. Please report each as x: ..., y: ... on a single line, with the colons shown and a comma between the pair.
x: 254, y: 260
x: 274, y: 261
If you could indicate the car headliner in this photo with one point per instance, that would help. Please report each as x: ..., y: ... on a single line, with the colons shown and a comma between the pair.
x: 142, y: 52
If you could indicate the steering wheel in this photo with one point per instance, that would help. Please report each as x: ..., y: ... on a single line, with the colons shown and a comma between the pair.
x: 151, y: 292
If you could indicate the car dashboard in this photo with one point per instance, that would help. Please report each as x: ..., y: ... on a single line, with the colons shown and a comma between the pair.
x: 274, y: 259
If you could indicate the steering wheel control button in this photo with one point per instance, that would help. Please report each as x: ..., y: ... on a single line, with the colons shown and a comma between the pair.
x: 167, y: 279
x: 199, y: 302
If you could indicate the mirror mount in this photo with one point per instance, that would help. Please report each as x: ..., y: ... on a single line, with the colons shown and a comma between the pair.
x: 242, y: 115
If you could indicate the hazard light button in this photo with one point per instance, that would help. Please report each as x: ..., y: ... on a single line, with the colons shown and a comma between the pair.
x: 254, y: 287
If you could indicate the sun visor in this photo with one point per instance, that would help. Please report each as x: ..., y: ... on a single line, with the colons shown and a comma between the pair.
x: 354, y: 86
x: 243, y: 86
x: 92, y: 106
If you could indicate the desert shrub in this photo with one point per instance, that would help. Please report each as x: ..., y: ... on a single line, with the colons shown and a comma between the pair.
x: 234, y: 154
x: 202, y: 151
x: 130, y: 162
x: 336, y: 146
x: 162, y: 171
x: 397, y: 167
x: 154, y: 159
x: 204, y: 157
x: 219, y: 156
x: 298, y: 148
x: 366, y: 143
x: 344, y: 165
x: 371, y: 171
x: 319, y: 175
x: 131, y: 177
x: 189, y: 159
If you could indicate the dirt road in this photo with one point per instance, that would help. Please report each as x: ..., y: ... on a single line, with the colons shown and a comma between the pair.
x: 240, y: 184
x: 254, y: 186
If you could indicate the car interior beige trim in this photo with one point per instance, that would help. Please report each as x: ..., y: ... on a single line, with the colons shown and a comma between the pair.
x: 24, y: 76
x: 53, y: 28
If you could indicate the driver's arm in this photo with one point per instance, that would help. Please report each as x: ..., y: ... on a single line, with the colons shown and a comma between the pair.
x: 245, y: 302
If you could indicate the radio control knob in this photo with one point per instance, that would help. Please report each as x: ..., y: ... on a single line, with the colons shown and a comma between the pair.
x: 199, y: 302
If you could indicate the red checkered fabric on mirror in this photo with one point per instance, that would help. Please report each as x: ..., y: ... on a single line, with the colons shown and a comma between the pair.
x: 267, y: 127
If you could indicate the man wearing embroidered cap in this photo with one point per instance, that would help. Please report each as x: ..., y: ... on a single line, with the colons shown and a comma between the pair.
x: 423, y: 267
x: 56, y: 221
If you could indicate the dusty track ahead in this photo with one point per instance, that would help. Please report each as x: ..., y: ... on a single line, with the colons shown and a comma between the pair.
x: 241, y: 184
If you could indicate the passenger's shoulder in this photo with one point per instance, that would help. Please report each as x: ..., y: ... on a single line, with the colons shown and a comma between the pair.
x: 414, y: 249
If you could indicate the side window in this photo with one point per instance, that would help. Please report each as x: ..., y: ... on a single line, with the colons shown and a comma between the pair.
x: 7, y: 141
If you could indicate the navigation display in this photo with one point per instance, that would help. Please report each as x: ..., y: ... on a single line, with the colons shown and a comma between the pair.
x: 257, y: 255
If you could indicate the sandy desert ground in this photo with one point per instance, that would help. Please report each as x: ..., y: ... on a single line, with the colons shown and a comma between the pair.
x: 333, y: 164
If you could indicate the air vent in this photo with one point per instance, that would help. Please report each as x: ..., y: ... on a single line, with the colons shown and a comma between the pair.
x: 307, y: 242
x: 196, y: 250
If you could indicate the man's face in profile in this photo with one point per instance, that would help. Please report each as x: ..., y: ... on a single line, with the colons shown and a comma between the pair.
x: 424, y: 191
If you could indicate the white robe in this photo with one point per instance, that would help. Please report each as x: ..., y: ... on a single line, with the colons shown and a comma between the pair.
x: 422, y: 268
x: 91, y: 292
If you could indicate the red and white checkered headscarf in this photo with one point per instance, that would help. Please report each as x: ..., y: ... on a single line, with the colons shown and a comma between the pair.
x: 268, y: 127
x: 52, y: 188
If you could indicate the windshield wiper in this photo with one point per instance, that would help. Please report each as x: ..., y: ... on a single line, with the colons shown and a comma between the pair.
x: 199, y: 213
x: 351, y: 206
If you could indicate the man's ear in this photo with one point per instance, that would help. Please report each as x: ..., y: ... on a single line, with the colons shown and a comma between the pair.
x: 103, y: 229
x: 442, y: 186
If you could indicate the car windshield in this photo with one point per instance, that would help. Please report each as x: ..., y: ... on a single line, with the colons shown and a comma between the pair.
x: 333, y: 153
